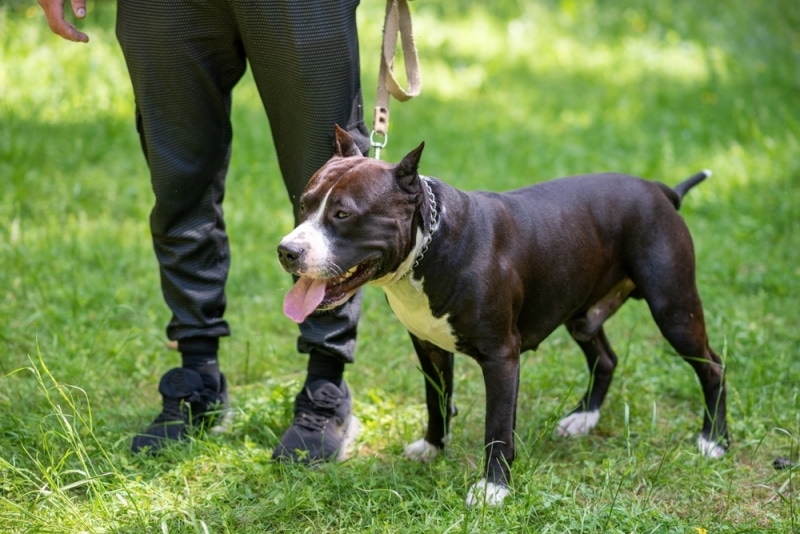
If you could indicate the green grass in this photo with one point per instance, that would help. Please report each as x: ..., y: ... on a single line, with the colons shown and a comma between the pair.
x: 515, y: 92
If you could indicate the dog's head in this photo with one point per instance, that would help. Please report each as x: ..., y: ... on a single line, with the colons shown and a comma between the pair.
x: 359, y: 222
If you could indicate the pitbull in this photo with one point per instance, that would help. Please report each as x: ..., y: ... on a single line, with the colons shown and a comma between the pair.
x: 491, y: 275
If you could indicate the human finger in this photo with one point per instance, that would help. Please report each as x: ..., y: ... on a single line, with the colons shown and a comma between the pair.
x: 79, y: 8
x: 54, y: 13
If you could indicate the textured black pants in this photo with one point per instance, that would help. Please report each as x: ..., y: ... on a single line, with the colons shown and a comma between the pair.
x: 184, y: 58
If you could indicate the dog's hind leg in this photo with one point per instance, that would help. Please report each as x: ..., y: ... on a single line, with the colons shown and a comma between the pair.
x: 682, y: 324
x: 602, y: 361
x: 663, y: 269
x: 437, y: 368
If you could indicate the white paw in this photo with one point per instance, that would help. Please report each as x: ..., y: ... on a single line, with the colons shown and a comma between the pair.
x: 578, y: 423
x: 422, y: 451
x: 710, y: 449
x: 487, y: 492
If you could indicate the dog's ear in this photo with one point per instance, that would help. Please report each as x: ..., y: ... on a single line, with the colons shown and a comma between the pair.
x: 344, y: 146
x: 407, y: 170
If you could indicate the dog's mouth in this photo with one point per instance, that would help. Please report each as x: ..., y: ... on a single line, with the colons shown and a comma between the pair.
x: 312, y: 294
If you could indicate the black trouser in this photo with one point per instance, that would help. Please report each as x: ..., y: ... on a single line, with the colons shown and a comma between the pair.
x: 184, y: 58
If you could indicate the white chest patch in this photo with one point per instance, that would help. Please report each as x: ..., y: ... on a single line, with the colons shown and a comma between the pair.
x: 411, y: 306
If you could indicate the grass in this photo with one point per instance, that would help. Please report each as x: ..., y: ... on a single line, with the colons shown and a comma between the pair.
x: 515, y: 92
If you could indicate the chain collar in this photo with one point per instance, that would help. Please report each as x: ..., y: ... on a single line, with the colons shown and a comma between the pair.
x: 434, y: 222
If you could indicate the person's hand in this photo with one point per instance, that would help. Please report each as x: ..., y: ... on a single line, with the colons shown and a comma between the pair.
x: 54, y: 11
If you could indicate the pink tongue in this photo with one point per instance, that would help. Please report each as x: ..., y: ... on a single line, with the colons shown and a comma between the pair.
x: 303, y: 299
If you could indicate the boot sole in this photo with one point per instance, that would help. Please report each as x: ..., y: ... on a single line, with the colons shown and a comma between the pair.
x: 349, y: 438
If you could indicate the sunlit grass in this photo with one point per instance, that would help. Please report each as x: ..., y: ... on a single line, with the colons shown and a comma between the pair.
x: 468, y: 63
x: 50, y: 80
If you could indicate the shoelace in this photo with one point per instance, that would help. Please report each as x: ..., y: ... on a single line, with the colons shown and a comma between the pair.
x: 313, y: 411
x: 176, y: 408
x: 173, y: 410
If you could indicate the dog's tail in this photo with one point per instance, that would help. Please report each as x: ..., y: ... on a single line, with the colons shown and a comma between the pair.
x: 677, y: 193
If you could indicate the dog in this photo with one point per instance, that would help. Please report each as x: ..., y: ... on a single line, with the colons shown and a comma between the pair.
x: 491, y: 275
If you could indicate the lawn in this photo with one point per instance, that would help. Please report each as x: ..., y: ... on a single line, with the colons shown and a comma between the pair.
x: 514, y: 92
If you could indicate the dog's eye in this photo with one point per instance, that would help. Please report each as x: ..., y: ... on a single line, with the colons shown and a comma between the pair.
x: 342, y: 214
x: 301, y: 208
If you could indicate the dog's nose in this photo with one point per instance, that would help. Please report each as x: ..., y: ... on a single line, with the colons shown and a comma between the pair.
x: 290, y: 256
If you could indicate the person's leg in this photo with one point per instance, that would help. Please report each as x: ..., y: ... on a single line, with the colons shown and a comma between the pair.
x: 183, y: 62
x: 304, y: 58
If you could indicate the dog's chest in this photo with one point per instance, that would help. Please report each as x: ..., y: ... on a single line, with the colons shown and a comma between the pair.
x: 411, y: 306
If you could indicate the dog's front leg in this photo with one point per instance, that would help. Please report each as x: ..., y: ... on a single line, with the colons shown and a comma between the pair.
x: 501, y: 379
x: 437, y: 368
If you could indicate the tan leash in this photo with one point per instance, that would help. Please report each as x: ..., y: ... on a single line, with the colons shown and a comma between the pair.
x: 398, y: 20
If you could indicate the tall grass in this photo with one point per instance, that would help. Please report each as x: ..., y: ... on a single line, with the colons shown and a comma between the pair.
x: 515, y: 92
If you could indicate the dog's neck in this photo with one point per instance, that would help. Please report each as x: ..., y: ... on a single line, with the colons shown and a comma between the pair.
x: 429, y: 213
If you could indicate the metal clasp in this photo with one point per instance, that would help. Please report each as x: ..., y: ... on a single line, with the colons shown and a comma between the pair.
x: 378, y: 141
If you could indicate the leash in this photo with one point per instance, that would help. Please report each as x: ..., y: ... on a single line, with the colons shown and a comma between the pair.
x: 397, y: 21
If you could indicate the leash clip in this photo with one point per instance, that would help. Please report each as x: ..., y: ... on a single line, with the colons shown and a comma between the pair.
x: 378, y: 141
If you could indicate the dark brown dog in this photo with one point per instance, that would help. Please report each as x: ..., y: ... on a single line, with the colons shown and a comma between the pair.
x: 491, y: 275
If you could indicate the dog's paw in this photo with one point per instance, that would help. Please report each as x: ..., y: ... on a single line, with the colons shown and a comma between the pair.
x: 710, y: 449
x: 578, y: 424
x: 489, y: 493
x: 422, y: 451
